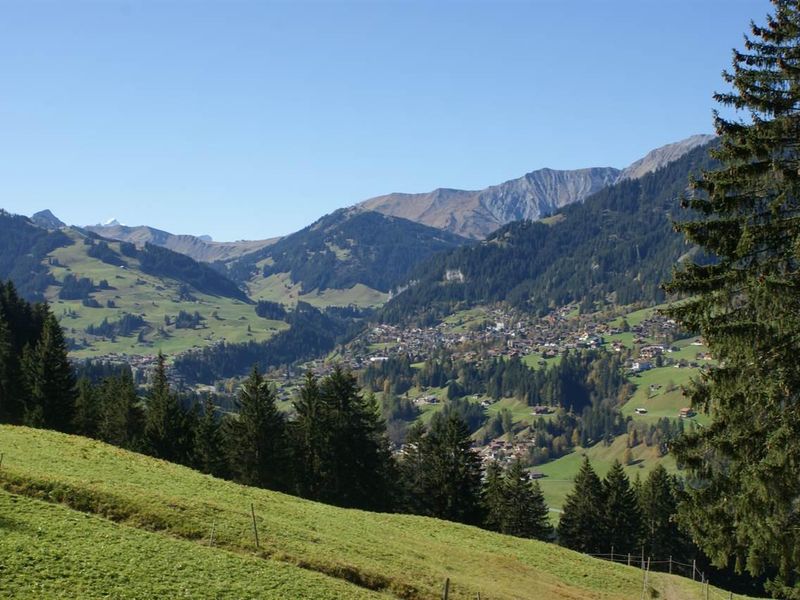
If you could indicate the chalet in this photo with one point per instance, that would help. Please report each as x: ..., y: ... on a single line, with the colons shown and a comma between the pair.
x: 649, y: 352
x: 686, y: 412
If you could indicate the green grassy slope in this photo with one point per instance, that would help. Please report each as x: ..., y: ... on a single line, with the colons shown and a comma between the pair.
x: 280, y: 288
x: 153, y: 297
x: 50, y: 551
x: 560, y: 473
x: 405, y: 556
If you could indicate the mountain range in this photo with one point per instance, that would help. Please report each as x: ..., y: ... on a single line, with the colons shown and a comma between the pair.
x: 608, y: 238
x: 477, y: 213
x: 200, y: 248
x: 616, y: 247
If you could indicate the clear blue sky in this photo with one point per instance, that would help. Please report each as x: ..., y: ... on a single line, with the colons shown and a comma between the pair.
x: 251, y: 119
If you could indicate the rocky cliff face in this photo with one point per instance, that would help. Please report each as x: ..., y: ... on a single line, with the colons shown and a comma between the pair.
x: 476, y: 213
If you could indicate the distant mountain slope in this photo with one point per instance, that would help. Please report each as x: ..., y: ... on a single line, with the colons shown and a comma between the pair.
x: 23, y: 251
x: 200, y: 248
x: 660, y: 157
x: 113, y: 297
x: 46, y: 219
x: 475, y: 214
x: 349, y: 247
x: 619, y: 245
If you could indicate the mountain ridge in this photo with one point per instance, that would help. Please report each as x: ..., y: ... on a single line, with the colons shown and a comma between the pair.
x: 345, y: 248
x: 477, y: 213
x: 200, y: 248
x: 618, y: 243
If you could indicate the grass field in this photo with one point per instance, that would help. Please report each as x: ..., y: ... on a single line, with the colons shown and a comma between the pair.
x: 153, y: 298
x: 50, y: 551
x: 560, y: 473
x: 280, y: 288
x: 176, y: 509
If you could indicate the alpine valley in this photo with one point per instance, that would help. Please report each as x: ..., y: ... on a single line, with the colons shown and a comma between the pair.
x: 520, y: 323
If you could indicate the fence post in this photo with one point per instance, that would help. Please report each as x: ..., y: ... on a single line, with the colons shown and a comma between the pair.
x: 629, y: 559
x: 612, y: 553
x: 446, y: 595
x: 694, y: 567
x: 670, y: 565
x: 255, y: 527
x: 644, y: 578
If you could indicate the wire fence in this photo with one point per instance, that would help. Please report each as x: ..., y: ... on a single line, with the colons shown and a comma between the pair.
x: 671, y: 566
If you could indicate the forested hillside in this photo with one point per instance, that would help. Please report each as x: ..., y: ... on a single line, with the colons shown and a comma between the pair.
x: 619, y: 246
x: 346, y: 248
x: 23, y: 250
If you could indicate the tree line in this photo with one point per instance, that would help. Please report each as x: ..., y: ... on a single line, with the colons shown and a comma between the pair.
x: 333, y: 446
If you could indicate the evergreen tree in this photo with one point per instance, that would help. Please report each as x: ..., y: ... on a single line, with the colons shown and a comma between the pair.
x: 49, y: 380
x: 581, y: 524
x: 6, y: 356
x: 256, y: 437
x: 168, y: 427
x: 622, y: 519
x: 308, y: 434
x: 493, y: 497
x: 85, y: 420
x: 358, y: 469
x: 412, y: 470
x: 451, y: 472
x: 209, y: 448
x: 121, y: 421
x: 742, y: 498
x: 659, y: 504
x: 526, y: 513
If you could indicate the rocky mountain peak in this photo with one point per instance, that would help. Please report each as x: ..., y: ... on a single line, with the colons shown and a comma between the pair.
x: 47, y: 220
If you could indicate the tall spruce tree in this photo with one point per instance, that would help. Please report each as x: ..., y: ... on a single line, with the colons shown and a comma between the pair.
x: 209, y: 446
x: 412, y: 470
x: 658, y: 499
x: 450, y: 483
x: 308, y: 435
x: 743, y: 487
x: 526, y: 513
x: 6, y: 357
x: 49, y: 379
x: 581, y: 525
x: 256, y: 437
x: 168, y: 426
x: 622, y: 513
x: 493, y: 497
x: 358, y: 468
x: 87, y: 409
x: 121, y: 421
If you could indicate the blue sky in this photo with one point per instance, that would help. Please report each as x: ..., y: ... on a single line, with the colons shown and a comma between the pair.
x: 251, y: 119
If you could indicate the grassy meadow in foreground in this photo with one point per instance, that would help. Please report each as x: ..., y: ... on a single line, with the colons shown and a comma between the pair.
x: 401, y: 555
x: 48, y: 550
